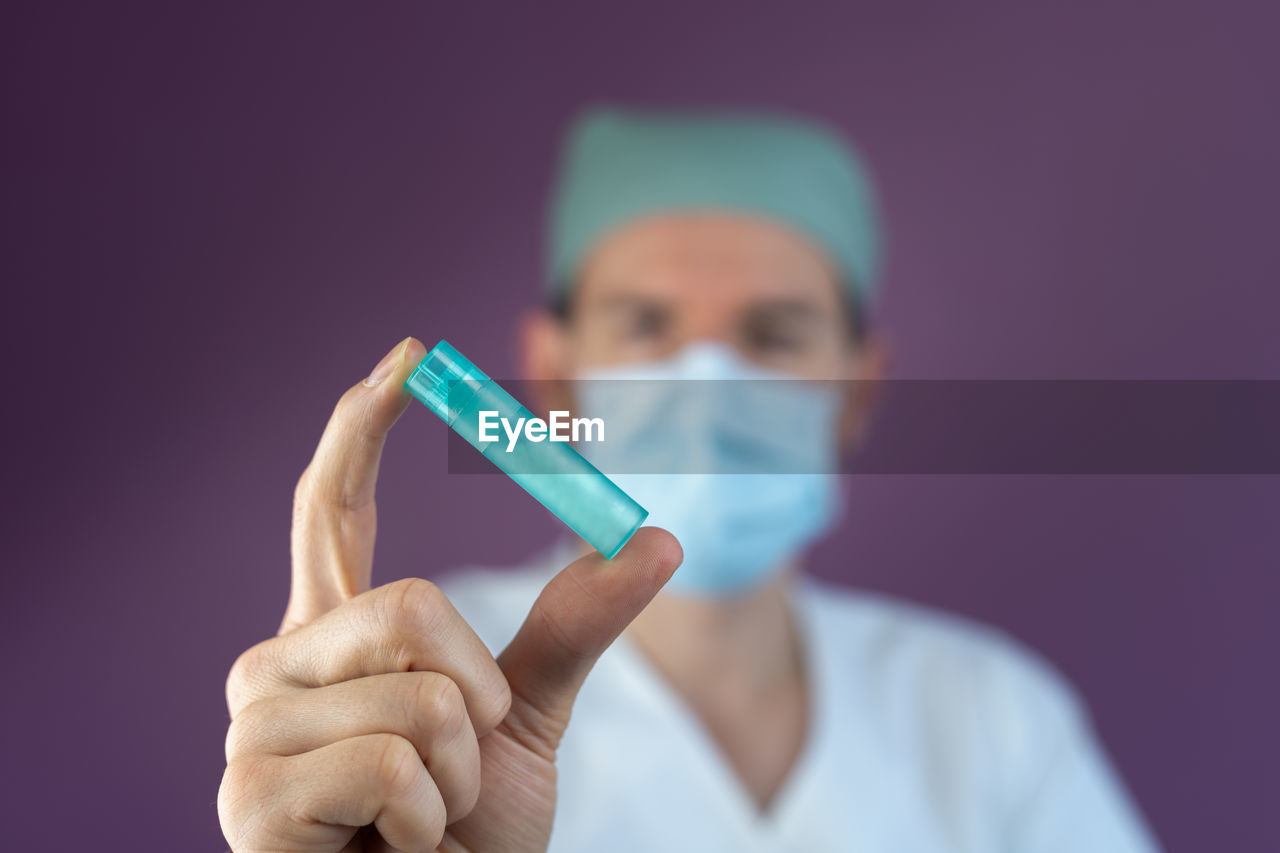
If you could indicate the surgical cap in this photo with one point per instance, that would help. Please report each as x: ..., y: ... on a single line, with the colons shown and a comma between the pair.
x: 619, y: 165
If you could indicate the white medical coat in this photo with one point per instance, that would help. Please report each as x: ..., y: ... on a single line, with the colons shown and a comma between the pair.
x: 928, y: 733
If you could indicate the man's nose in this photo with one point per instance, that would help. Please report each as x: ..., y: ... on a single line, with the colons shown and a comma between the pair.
x: 707, y: 331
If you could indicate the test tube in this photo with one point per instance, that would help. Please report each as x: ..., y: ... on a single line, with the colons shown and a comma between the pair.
x: 555, y: 474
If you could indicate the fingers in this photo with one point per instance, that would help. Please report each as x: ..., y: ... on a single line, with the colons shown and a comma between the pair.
x: 318, y: 799
x: 425, y: 708
x: 578, y: 615
x: 334, y: 520
x: 406, y: 626
x: 325, y: 719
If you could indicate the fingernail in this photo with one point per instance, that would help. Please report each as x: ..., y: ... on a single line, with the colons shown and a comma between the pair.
x: 388, y: 364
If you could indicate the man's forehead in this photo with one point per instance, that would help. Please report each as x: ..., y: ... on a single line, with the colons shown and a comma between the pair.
x: 786, y: 306
x: 671, y: 247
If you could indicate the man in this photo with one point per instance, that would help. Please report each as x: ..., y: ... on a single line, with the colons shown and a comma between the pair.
x: 744, y: 707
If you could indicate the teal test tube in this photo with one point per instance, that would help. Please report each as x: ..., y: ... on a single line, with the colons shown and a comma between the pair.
x: 557, y: 476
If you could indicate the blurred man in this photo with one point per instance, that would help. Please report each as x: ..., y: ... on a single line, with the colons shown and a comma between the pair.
x: 743, y: 707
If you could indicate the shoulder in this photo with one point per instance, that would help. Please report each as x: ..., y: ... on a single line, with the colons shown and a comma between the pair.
x: 937, y: 671
x: 895, y: 632
x: 971, y: 721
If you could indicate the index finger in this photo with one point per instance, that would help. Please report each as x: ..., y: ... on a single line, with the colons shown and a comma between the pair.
x: 334, y: 517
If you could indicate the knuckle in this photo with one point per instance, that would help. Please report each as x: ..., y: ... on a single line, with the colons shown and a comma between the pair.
x: 236, y: 737
x: 249, y: 727
x: 302, y: 491
x: 246, y: 672
x: 241, y: 777
x: 467, y: 797
x: 241, y: 801
x: 352, y: 411
x: 436, y: 820
x: 303, y: 485
x: 397, y: 767
x: 412, y: 608
x: 555, y: 622
x: 494, y: 704
x: 348, y: 399
x: 440, y: 701
x: 466, y: 783
x: 437, y: 817
x: 438, y: 714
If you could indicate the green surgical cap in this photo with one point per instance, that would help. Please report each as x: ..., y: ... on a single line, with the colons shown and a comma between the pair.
x: 619, y: 165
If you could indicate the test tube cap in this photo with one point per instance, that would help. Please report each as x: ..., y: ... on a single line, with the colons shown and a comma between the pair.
x: 445, y: 381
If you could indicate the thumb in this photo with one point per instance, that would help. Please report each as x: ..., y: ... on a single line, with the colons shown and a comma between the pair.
x: 576, y: 617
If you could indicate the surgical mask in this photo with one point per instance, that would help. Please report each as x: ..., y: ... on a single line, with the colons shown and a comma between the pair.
x: 738, y: 466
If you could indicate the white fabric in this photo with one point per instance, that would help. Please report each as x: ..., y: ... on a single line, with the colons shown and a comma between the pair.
x: 928, y: 733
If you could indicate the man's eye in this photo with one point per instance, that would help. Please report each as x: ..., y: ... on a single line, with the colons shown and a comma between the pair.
x: 644, y: 325
x: 778, y: 340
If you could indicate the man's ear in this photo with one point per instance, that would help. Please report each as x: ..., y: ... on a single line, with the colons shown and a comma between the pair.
x: 866, y: 369
x: 545, y: 360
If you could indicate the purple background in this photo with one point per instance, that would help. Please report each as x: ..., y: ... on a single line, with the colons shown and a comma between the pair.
x: 217, y: 218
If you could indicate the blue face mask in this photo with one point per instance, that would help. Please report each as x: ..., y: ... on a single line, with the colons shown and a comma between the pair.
x: 741, y: 470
